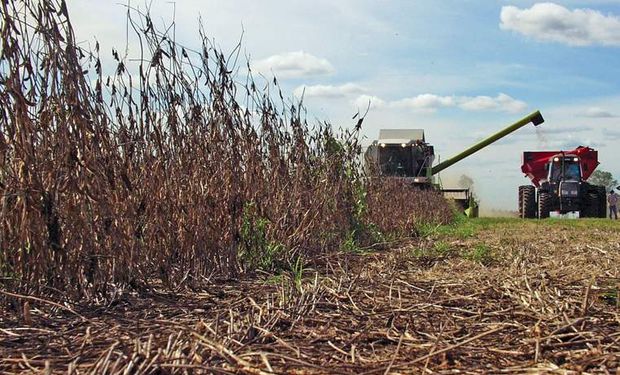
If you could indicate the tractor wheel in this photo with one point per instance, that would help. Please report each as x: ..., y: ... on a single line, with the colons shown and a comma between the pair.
x: 527, y: 202
x: 544, y: 205
x: 590, y: 206
x: 602, y: 201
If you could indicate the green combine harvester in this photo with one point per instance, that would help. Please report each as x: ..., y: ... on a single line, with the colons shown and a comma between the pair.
x: 405, y: 154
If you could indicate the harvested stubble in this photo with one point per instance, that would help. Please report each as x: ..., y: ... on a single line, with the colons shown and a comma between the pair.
x: 170, y: 176
x: 539, y: 308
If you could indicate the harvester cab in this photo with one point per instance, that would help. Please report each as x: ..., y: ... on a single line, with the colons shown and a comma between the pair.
x: 401, y: 153
x: 560, y: 184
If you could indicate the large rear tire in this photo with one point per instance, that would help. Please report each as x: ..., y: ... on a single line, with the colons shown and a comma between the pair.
x: 602, y: 201
x: 527, y: 202
x: 544, y: 205
x: 595, y: 204
x: 591, y: 205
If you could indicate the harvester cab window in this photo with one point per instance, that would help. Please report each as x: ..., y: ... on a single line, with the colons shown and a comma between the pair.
x: 396, y: 161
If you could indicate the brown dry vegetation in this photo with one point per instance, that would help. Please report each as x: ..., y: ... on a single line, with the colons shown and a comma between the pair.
x: 481, y: 297
x: 170, y: 176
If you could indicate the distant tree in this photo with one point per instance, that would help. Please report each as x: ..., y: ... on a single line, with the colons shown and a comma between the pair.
x: 603, y: 178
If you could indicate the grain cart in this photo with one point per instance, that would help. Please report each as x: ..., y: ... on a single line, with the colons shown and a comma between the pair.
x: 405, y: 154
x: 559, y: 184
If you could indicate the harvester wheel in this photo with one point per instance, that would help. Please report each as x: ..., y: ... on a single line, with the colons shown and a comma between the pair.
x: 527, y: 202
x: 544, y: 205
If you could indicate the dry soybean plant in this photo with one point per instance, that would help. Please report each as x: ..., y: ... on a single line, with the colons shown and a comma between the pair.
x: 169, y: 175
x: 397, y: 208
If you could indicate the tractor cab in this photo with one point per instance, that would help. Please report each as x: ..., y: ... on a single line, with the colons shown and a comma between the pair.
x: 564, y: 182
x: 564, y: 168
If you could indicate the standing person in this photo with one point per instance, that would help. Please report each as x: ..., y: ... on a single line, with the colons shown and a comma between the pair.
x: 612, y: 199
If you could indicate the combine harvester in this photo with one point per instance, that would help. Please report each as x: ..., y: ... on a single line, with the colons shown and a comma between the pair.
x: 405, y: 154
x: 559, y: 184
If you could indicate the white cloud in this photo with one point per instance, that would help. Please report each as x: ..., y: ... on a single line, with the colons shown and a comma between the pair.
x: 477, y: 103
x: 597, y: 112
x: 553, y: 22
x: 501, y: 102
x: 294, y: 65
x: 329, y: 91
x: 363, y: 101
x: 425, y: 102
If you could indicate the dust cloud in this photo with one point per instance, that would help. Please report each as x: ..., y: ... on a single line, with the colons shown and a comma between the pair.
x: 542, y: 139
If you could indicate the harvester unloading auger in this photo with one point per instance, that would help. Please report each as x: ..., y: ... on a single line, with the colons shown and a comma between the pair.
x: 559, y: 184
x: 405, y: 154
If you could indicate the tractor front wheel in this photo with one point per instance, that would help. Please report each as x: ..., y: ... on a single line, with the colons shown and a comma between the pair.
x: 544, y: 205
x: 527, y: 202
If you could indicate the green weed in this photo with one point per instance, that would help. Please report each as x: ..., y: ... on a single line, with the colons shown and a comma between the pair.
x: 363, y: 231
x: 461, y: 228
x: 350, y: 245
x: 480, y: 254
x: 274, y: 279
x: 297, y: 270
x: 256, y: 250
x: 439, y: 250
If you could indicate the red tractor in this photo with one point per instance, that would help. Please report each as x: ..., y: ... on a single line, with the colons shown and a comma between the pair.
x: 559, y: 179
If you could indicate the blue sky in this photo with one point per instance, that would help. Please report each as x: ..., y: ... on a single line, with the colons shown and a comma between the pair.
x: 460, y: 69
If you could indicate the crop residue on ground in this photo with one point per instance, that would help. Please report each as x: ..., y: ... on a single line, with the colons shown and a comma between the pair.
x: 499, y: 296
